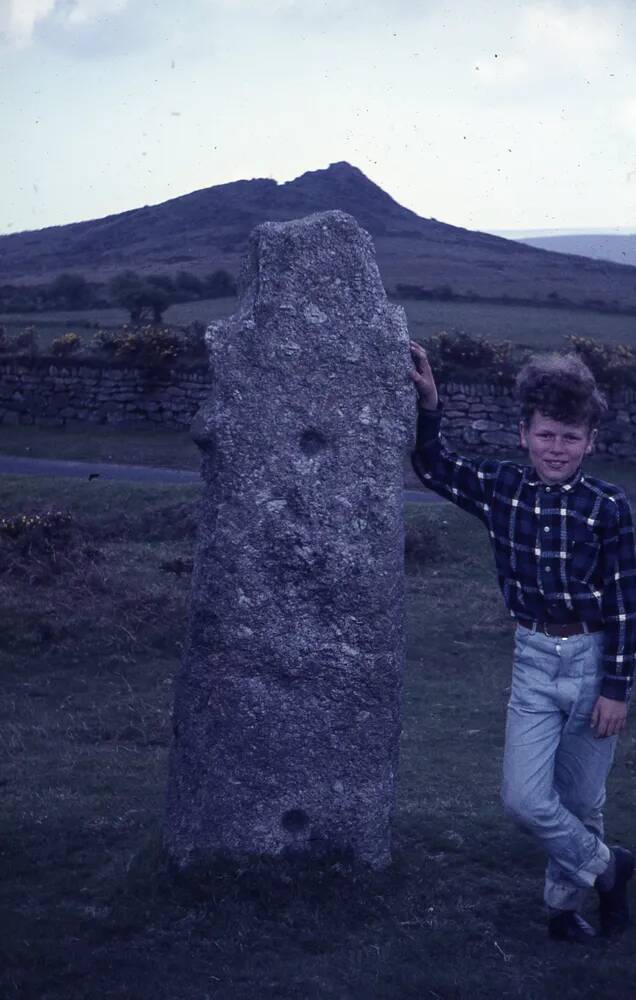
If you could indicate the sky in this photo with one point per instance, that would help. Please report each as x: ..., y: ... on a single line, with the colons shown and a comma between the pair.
x: 489, y: 115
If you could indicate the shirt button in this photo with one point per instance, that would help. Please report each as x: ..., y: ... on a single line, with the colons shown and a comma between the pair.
x: 547, y: 489
x: 546, y: 528
x: 548, y: 569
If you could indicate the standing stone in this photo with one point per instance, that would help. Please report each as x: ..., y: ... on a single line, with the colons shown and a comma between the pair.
x: 287, y: 708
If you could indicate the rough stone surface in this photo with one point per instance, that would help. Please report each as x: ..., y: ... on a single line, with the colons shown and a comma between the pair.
x: 287, y: 708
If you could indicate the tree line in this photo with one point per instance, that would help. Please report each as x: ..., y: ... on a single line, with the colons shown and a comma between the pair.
x: 145, y: 296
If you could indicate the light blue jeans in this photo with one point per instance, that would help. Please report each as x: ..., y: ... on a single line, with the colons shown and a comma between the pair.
x: 554, y: 770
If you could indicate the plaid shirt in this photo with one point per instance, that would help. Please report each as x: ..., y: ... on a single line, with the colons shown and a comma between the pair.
x: 563, y: 552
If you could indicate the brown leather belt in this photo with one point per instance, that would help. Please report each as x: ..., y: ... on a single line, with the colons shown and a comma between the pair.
x: 570, y: 628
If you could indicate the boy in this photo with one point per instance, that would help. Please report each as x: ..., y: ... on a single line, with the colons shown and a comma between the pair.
x: 564, y: 551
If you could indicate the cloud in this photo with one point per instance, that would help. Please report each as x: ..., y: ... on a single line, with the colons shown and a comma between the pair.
x: 502, y: 70
x: 578, y: 35
x: 21, y: 19
x: 18, y: 19
x: 87, y: 11
x: 311, y: 8
x: 625, y: 114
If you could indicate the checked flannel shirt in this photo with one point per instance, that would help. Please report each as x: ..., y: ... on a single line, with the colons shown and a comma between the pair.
x: 563, y: 552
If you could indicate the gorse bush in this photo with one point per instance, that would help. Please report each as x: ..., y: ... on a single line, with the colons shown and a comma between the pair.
x: 148, y: 345
x: 613, y: 365
x: 457, y: 353
x: 66, y: 344
x: 42, y: 548
x: 37, y: 545
x: 107, y: 341
x: 37, y: 532
x: 23, y: 342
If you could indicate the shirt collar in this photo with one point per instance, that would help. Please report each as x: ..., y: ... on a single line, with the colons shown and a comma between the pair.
x: 532, y: 479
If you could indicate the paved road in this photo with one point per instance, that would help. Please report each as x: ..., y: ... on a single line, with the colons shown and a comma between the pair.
x: 13, y: 465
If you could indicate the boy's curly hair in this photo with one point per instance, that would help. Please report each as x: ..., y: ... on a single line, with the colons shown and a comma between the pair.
x: 562, y: 387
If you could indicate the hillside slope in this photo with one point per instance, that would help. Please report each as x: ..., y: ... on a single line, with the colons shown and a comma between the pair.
x: 208, y: 229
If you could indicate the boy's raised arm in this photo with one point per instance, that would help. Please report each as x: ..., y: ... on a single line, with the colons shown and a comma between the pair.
x: 423, y: 378
x: 464, y: 481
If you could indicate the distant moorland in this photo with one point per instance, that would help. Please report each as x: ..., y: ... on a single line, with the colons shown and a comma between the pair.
x: 602, y: 246
x: 207, y: 231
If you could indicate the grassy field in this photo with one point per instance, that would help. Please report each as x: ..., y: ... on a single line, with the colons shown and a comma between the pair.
x: 166, y: 449
x: 86, y: 321
x: 542, y: 328
x: 92, y: 640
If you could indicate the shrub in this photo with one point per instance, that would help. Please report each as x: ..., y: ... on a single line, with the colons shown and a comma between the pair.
x: 35, y: 529
x: 26, y: 341
x: 66, y: 344
x: 145, y: 300
x: 457, y: 353
x: 219, y: 284
x: 147, y: 345
x: 38, y: 546
x: 613, y: 365
x: 151, y: 345
x: 127, y: 344
x: 105, y: 341
x: 413, y: 292
x: 194, y: 339
x: 71, y: 291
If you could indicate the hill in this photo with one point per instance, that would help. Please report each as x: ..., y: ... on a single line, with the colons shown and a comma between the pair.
x: 208, y: 229
x: 602, y: 246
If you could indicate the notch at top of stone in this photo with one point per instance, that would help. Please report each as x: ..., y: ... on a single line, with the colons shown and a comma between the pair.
x: 323, y: 259
x: 314, y: 355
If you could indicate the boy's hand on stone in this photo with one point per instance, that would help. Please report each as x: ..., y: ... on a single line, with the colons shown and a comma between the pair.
x: 608, y: 717
x: 423, y: 377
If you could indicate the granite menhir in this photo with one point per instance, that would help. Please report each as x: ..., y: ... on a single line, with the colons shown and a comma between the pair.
x: 287, y: 707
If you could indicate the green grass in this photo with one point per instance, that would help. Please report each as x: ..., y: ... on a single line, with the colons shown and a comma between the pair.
x: 86, y: 321
x: 164, y: 448
x: 541, y: 328
x: 89, y: 907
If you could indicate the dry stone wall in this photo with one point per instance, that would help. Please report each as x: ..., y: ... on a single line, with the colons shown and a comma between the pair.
x: 478, y: 417
x: 71, y: 394
x: 485, y: 418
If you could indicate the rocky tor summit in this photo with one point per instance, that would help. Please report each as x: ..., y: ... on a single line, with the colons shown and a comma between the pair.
x: 209, y: 229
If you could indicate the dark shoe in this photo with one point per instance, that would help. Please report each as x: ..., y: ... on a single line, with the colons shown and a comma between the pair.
x: 570, y: 926
x: 613, y: 906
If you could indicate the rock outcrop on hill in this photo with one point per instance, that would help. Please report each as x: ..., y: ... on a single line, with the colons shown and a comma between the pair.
x: 208, y: 229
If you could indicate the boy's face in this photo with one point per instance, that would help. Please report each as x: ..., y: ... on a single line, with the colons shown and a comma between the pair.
x: 556, y: 449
